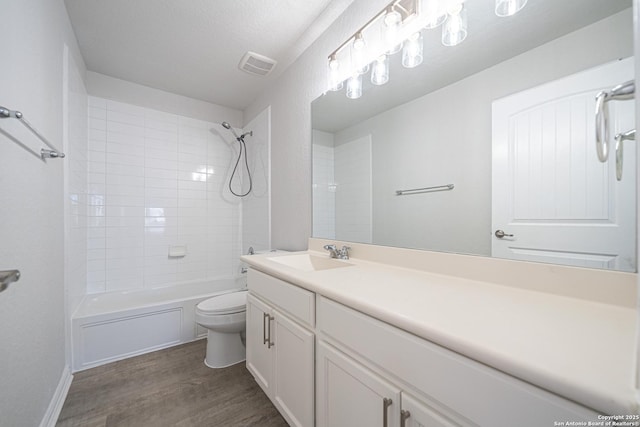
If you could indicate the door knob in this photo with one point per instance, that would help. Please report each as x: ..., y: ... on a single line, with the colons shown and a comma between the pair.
x: 500, y: 234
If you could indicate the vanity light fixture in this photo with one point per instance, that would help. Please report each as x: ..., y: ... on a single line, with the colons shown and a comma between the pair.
x: 335, y: 82
x: 434, y: 12
x: 354, y: 86
x: 398, y: 27
x: 380, y: 70
x: 412, y: 51
x: 357, y: 54
x: 390, y: 27
x: 509, y: 7
x: 454, y: 30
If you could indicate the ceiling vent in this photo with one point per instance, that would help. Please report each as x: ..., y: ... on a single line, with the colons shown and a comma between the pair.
x: 256, y: 64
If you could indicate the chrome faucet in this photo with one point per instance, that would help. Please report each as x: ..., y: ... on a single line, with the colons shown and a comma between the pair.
x: 334, y: 252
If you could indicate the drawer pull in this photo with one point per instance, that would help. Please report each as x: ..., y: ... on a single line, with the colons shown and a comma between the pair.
x: 269, y: 319
x: 403, y: 417
x: 386, y: 402
x: 265, y: 316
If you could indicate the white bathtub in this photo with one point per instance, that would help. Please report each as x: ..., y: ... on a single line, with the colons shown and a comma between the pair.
x: 116, y: 325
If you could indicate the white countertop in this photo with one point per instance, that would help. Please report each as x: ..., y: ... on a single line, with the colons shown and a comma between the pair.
x: 579, y: 349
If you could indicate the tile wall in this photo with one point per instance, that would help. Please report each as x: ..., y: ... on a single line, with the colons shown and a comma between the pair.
x: 324, y: 188
x: 256, y: 219
x: 75, y: 173
x: 352, y: 173
x: 157, y: 180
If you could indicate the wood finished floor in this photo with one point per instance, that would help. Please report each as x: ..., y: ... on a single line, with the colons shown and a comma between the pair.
x: 170, y: 387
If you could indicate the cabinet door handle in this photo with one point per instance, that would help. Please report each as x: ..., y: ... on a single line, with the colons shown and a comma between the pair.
x: 403, y: 417
x: 269, y: 319
x: 265, y: 316
x: 386, y: 402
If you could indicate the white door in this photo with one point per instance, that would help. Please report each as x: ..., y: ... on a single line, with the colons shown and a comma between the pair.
x: 350, y: 395
x: 259, y: 354
x: 549, y: 190
x: 294, y: 367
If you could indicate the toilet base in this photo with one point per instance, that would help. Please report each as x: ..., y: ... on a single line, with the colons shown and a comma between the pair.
x: 224, y: 350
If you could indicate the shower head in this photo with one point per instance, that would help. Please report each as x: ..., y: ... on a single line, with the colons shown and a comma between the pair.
x: 228, y: 126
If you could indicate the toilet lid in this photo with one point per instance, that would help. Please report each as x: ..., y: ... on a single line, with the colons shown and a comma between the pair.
x: 233, y: 302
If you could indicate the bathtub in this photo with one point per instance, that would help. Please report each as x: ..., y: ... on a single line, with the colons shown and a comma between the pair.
x: 116, y: 325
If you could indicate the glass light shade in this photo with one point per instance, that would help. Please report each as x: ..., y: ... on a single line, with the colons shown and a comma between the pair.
x: 380, y: 70
x: 412, y: 51
x: 390, y: 26
x: 335, y: 83
x: 509, y: 7
x: 358, y: 49
x: 454, y: 30
x: 434, y: 12
x: 354, y: 87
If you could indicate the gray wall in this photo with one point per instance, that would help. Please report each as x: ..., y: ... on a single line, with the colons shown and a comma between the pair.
x: 32, y: 317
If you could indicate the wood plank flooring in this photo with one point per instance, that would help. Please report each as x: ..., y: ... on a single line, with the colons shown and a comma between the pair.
x: 170, y: 387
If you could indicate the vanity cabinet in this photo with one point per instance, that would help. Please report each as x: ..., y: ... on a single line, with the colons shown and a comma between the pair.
x: 349, y: 394
x: 280, y: 349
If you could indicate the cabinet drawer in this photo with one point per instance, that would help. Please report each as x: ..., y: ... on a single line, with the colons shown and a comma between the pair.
x: 296, y: 301
x: 478, y: 393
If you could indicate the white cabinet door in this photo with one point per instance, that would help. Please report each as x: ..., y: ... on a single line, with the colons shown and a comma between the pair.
x: 293, y: 382
x: 350, y: 395
x: 416, y: 414
x: 259, y: 354
x: 549, y: 190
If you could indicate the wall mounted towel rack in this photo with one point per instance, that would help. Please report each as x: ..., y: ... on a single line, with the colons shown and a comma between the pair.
x: 45, y: 153
x: 424, y: 190
x: 620, y: 139
x: 622, y: 92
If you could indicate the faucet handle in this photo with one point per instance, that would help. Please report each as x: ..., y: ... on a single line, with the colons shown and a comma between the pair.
x: 344, y: 252
x: 330, y: 247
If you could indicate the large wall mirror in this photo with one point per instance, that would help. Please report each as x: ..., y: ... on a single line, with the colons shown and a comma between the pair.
x: 503, y: 126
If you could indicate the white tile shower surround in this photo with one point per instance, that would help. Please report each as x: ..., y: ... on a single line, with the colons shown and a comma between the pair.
x: 76, y: 175
x: 352, y: 171
x: 157, y: 179
x: 324, y: 200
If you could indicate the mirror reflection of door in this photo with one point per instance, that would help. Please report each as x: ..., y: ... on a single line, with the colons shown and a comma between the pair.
x: 549, y: 190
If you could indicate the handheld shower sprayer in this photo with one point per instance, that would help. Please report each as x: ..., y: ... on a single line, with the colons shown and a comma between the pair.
x: 243, y: 146
x: 241, y: 137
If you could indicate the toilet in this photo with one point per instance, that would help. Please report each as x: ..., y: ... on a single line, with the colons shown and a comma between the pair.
x: 224, y: 316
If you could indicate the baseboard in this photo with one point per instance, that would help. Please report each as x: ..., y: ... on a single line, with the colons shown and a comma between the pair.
x: 55, y: 406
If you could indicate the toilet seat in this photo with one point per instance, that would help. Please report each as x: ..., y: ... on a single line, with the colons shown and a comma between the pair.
x: 233, y: 302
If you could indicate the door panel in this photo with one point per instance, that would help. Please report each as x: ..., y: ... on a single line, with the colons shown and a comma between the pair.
x: 549, y: 189
x: 350, y: 395
x: 294, y: 357
x: 259, y: 356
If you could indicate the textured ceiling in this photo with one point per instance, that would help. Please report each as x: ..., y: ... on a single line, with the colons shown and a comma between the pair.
x: 193, y: 47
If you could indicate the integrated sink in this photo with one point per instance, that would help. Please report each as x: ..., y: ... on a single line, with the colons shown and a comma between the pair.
x: 307, y: 262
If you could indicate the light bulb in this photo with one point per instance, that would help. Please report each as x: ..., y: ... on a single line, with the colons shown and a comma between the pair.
x: 354, y: 86
x: 412, y: 51
x: 335, y: 83
x: 434, y: 12
x: 390, y: 26
x: 454, y: 30
x: 358, y: 55
x: 380, y: 70
x: 509, y: 7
